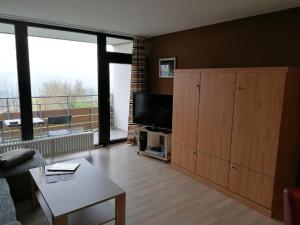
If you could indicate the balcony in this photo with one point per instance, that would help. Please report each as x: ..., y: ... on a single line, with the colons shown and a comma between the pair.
x: 84, y: 111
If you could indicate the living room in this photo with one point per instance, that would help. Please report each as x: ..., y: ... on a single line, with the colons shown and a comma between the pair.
x: 149, y: 112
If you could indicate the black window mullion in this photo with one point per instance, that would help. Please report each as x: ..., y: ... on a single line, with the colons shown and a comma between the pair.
x: 103, y: 90
x: 24, y: 85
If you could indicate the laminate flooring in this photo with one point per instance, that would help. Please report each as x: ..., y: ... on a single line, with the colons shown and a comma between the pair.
x: 157, y: 194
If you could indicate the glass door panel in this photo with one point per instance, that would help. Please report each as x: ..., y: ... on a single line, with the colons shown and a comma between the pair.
x: 64, y: 84
x: 10, y: 124
x: 120, y: 77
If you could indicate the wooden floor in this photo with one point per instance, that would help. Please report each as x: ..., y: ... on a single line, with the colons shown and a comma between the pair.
x: 159, y: 195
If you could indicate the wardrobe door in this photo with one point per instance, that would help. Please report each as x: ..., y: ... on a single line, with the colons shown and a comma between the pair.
x: 266, y: 125
x: 256, y: 122
x: 244, y: 116
x: 215, y: 113
x: 185, y: 108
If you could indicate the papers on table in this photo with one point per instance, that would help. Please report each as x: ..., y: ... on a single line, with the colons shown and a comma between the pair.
x: 60, y: 172
x: 66, y: 167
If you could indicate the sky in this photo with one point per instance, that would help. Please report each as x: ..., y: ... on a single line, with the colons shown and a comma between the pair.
x: 50, y: 59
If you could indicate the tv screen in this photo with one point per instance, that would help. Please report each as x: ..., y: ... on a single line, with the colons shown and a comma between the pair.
x: 153, y: 110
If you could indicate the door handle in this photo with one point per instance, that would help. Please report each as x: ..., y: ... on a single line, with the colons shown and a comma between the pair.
x: 241, y: 88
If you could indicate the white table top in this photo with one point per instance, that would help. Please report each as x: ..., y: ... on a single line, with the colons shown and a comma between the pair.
x: 17, y: 122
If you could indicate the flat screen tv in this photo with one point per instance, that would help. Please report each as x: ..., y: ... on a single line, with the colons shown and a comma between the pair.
x: 153, y: 109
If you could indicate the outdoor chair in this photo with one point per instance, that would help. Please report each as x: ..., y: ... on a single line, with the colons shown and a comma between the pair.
x: 59, y: 120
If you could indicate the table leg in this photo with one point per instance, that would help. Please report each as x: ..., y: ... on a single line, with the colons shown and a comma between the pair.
x: 33, y: 195
x: 120, y: 209
x: 61, y: 220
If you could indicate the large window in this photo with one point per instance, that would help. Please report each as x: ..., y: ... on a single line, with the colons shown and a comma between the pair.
x: 70, y: 80
x: 63, y: 68
x: 9, y: 96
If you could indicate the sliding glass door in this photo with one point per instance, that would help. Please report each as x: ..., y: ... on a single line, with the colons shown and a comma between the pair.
x: 119, y: 51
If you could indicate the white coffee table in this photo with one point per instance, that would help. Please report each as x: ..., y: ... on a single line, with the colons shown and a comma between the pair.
x: 82, y: 200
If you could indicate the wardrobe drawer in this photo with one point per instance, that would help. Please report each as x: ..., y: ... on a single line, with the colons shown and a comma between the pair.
x: 184, y: 156
x: 238, y: 179
x: 203, y: 165
x: 260, y: 189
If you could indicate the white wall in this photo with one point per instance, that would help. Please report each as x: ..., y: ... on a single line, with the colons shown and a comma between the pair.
x: 120, y: 77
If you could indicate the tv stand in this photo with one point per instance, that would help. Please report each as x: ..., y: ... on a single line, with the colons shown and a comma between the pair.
x: 156, y: 129
x: 154, y: 142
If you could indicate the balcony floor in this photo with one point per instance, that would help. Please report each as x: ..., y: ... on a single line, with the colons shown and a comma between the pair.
x: 115, y: 134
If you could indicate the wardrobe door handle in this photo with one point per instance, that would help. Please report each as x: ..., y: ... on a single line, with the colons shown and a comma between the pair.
x: 233, y: 167
x: 241, y: 88
x: 198, y: 85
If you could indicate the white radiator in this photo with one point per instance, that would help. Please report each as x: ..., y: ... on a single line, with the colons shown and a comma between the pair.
x: 56, y: 145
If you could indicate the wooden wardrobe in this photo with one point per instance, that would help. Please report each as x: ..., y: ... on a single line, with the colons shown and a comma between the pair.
x: 238, y: 131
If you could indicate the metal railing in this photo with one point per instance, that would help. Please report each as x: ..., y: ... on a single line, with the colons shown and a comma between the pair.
x: 84, y: 110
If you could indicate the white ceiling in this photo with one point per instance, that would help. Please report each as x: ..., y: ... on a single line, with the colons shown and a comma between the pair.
x: 138, y: 17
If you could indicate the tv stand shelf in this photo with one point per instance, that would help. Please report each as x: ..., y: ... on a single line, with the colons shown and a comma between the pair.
x: 156, y: 144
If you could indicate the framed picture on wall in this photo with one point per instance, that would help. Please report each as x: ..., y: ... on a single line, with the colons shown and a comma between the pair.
x: 166, y: 67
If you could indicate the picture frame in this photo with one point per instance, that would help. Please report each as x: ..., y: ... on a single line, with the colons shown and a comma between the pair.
x: 166, y: 67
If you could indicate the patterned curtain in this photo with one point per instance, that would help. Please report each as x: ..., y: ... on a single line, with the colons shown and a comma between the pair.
x: 138, y: 81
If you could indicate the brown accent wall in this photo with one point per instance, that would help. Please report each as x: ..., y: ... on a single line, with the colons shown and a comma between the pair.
x: 266, y: 40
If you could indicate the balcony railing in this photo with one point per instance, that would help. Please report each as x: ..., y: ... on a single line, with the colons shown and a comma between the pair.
x: 84, y: 111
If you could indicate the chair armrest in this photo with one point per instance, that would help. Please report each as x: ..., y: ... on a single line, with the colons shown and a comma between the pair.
x: 291, y: 197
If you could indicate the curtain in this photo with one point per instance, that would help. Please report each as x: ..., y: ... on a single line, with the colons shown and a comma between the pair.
x: 138, y: 81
